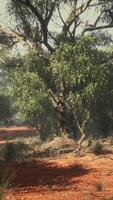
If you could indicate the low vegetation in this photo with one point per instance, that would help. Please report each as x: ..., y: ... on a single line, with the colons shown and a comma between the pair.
x: 14, y: 151
x: 5, y: 184
x: 98, y: 148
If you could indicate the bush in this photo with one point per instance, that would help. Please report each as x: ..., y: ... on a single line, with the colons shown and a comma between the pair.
x: 4, y: 185
x: 9, y: 152
x: 97, y: 148
x: 14, y: 151
x: 20, y: 149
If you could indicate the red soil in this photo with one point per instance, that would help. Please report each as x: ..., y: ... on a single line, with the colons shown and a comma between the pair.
x: 72, y: 178
x: 16, y: 131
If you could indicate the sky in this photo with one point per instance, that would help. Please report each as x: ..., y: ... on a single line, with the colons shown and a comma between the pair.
x: 3, y: 14
x: 2, y: 6
x: 6, y: 21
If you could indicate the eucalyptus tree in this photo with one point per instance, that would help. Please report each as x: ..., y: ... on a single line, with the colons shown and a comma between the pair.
x: 83, y: 75
x: 58, y: 52
x: 76, y: 83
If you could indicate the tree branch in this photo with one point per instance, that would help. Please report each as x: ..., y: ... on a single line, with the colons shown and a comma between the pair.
x: 83, y: 7
x: 74, y: 15
x: 51, y: 12
x: 16, y: 36
x: 97, y: 28
x: 43, y: 22
x: 46, y: 6
x: 2, y: 61
x: 33, y: 9
x: 66, y: 27
x: 53, y: 38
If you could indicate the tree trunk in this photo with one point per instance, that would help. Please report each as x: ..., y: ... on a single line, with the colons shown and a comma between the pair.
x: 64, y: 116
x: 81, y: 129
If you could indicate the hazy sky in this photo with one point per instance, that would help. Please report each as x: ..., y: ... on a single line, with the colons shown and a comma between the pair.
x: 5, y: 19
x: 2, y: 8
x: 3, y: 14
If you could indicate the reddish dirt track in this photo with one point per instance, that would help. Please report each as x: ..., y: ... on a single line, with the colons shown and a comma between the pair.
x: 63, y: 179
x: 16, y: 131
x: 67, y: 178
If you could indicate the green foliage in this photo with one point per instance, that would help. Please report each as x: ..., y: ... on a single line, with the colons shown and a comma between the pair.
x: 86, y: 71
x: 29, y: 81
x: 82, y: 67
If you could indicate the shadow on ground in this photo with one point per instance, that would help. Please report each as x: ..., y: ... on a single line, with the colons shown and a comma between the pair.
x: 41, y: 173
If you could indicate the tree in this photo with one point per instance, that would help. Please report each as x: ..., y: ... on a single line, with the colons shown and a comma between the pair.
x: 32, y: 30
x: 77, y: 80
x: 5, y: 108
x: 32, y: 21
x: 5, y: 103
x: 83, y: 75
x: 29, y: 97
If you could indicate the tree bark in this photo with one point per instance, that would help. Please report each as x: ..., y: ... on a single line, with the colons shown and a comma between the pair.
x: 64, y: 116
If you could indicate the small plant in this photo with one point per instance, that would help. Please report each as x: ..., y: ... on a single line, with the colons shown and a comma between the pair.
x: 14, y: 151
x: 98, y: 148
x: 9, y: 152
x: 4, y: 185
x: 99, y: 187
x: 20, y: 149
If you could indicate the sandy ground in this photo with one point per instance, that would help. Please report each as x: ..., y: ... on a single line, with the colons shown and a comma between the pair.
x: 65, y: 178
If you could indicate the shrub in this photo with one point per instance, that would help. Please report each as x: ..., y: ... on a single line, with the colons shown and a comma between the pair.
x: 99, y: 187
x: 20, y: 149
x: 9, y: 152
x: 14, y: 151
x: 98, y: 148
x: 4, y: 185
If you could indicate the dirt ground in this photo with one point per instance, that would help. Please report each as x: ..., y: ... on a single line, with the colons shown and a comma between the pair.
x: 65, y: 178
x: 13, y: 132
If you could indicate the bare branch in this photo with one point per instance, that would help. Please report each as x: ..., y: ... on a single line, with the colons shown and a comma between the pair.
x: 98, y: 19
x: 33, y: 9
x: 52, y: 37
x: 43, y: 22
x: 97, y: 28
x: 51, y: 12
x: 46, y: 9
x: 15, y: 36
x: 96, y: 4
x: 83, y: 7
x: 2, y: 61
x: 65, y: 28
x: 74, y: 16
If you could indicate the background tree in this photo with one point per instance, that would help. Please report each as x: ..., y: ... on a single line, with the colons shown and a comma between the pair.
x: 29, y: 96
x: 5, y: 109
x: 5, y: 103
